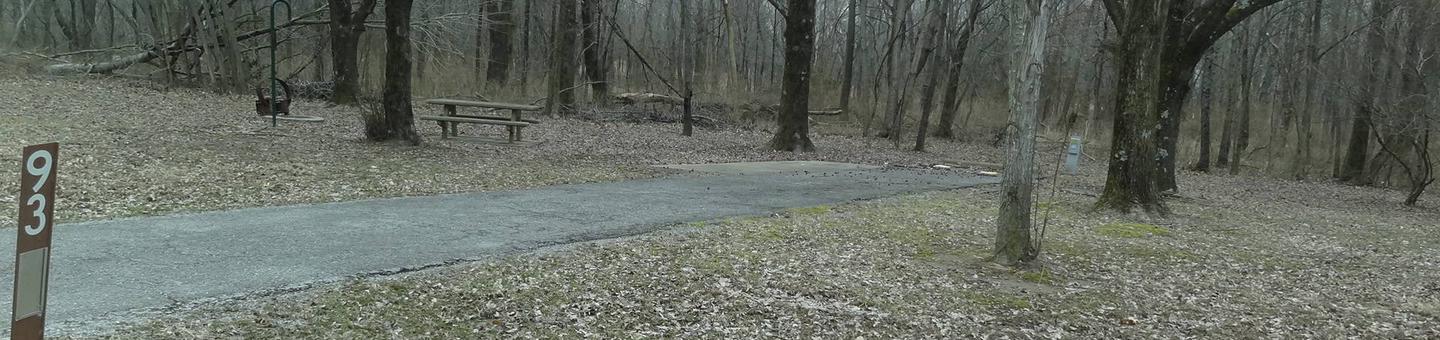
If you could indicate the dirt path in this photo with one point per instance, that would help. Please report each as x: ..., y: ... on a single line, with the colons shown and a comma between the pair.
x: 114, y: 270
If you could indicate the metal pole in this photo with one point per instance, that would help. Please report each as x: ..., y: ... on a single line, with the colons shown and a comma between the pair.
x: 274, y: 83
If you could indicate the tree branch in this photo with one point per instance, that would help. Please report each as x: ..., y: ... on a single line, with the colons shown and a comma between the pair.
x: 779, y: 8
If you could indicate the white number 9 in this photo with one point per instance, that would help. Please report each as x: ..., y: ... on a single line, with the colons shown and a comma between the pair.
x: 42, y: 171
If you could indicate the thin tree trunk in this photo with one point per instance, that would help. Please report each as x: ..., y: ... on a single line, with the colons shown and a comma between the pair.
x: 1014, y: 242
x: 1300, y: 168
x: 1359, y: 146
x: 562, y: 59
x: 793, y: 121
x: 1207, y: 85
x: 525, y: 49
x: 1242, y: 121
x: 847, y: 84
x: 950, y: 105
x: 927, y: 90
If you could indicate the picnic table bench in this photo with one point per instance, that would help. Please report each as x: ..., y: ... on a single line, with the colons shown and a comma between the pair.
x: 513, y: 124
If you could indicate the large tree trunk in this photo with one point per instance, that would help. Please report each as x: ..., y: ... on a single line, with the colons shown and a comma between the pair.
x: 1193, y: 27
x: 596, y: 69
x: 502, y: 32
x: 562, y: 59
x: 399, y: 121
x: 848, y: 83
x: 346, y: 27
x: 1013, y: 238
x: 1135, y: 153
x: 951, y: 104
x: 793, y: 122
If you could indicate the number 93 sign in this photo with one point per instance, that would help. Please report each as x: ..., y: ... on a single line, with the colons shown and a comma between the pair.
x: 32, y: 245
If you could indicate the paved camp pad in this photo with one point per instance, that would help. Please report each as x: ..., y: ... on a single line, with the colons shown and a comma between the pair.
x: 111, y: 271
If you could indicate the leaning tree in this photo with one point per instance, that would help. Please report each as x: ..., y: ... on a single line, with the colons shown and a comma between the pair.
x: 1160, y: 44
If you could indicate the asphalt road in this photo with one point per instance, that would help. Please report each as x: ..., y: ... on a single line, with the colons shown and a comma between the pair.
x: 112, y: 271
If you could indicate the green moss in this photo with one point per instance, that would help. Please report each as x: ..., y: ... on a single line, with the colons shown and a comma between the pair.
x: 1131, y: 230
x: 1041, y: 277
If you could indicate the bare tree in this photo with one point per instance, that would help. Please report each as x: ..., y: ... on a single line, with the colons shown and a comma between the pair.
x: 502, y: 33
x: 848, y: 81
x: 399, y: 117
x: 562, y: 59
x: 346, y: 25
x: 946, y: 127
x: 793, y: 122
x: 1015, y: 243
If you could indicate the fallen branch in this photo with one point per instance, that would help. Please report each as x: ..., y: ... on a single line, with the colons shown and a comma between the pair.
x: 643, y: 98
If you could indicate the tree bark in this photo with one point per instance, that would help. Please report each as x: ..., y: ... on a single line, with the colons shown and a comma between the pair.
x: 1135, y: 153
x: 1359, y: 146
x: 1207, y: 81
x: 596, y: 68
x: 847, y: 84
x: 346, y: 26
x: 1242, y: 121
x: 1014, y: 242
x: 399, y: 122
x: 951, y: 104
x: 562, y: 59
x: 928, y: 87
x: 793, y: 122
x: 1300, y: 168
x: 502, y: 33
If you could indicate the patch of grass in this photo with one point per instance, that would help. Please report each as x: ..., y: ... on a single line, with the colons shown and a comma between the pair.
x: 810, y: 211
x: 1040, y: 276
x: 1131, y: 230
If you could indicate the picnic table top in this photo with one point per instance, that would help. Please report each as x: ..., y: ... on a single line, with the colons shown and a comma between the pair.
x: 493, y: 105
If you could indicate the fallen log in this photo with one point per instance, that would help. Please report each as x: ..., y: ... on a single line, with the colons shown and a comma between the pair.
x: 174, y: 48
x: 644, y: 98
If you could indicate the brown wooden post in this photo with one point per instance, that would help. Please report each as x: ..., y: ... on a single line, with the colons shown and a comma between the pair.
x: 454, y: 128
x: 38, y: 171
x: 515, y: 130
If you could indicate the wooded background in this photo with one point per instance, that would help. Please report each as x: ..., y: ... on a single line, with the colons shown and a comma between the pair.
x: 1304, y: 89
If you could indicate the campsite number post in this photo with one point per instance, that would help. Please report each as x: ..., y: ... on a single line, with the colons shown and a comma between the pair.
x: 32, y: 245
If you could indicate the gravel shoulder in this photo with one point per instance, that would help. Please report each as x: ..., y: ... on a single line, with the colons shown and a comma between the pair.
x: 132, y: 148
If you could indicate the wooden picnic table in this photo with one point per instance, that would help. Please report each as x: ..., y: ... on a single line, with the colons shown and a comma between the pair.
x: 513, y: 123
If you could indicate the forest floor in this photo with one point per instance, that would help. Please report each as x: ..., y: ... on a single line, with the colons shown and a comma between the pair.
x: 132, y: 148
x: 1241, y: 257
